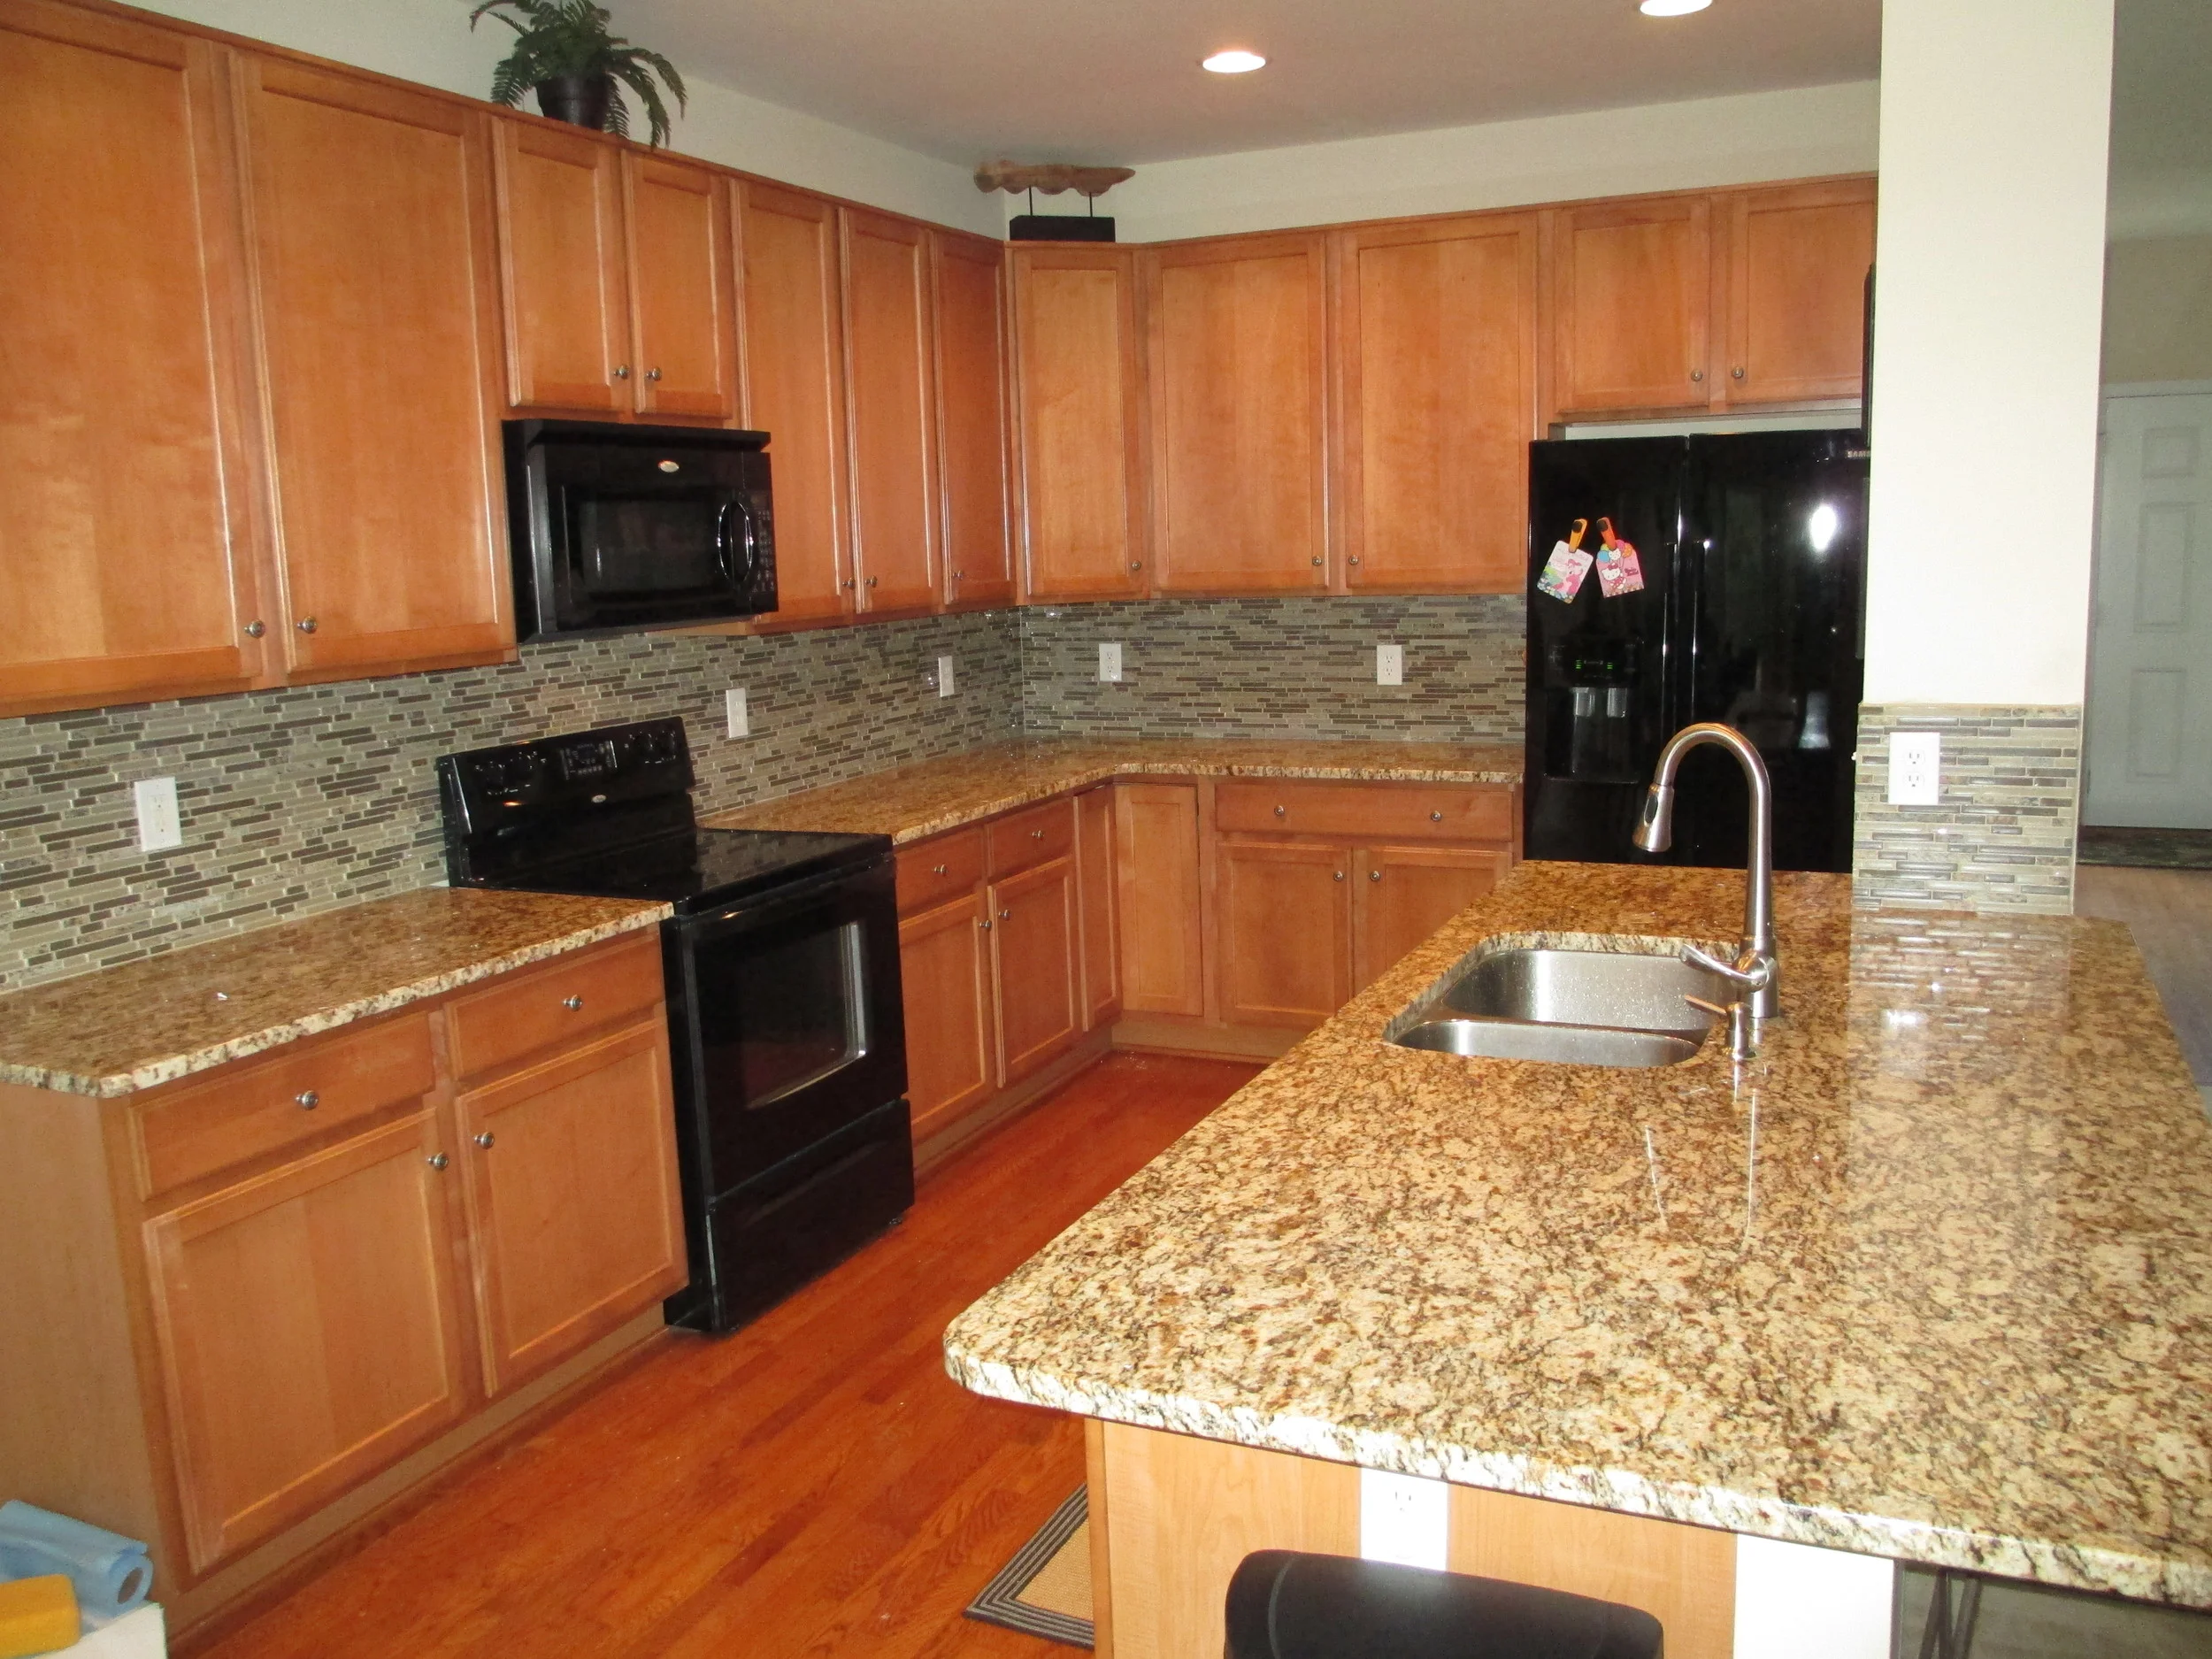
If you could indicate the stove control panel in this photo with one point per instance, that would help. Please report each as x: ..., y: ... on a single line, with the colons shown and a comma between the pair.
x: 548, y: 787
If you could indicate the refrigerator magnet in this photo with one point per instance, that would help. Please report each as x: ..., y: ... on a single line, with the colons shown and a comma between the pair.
x: 1568, y: 564
x: 1619, y: 570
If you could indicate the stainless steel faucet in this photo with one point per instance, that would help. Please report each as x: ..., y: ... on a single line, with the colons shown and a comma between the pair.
x: 1757, y: 970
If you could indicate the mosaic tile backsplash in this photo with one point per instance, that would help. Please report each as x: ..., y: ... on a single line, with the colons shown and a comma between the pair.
x: 2002, y: 838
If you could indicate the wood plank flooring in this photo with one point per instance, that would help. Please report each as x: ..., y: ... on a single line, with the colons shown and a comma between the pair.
x: 813, y: 1485
x: 2169, y: 912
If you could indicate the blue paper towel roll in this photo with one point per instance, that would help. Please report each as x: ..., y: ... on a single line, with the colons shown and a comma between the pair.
x: 111, y: 1572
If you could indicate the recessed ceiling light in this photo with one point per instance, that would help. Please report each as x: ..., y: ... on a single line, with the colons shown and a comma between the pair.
x: 1671, y: 8
x: 1239, y: 62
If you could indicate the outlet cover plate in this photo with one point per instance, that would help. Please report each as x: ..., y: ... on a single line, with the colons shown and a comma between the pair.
x: 1403, y: 1519
x: 1915, y: 768
x: 160, y: 825
x: 1390, y: 664
x: 740, y: 720
x: 1109, y: 660
x: 944, y: 677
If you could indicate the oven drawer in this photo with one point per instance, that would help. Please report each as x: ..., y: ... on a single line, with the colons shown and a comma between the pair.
x: 535, y: 1008
x: 1022, y: 838
x: 1425, y: 811
x: 253, y: 1109
x: 942, y: 867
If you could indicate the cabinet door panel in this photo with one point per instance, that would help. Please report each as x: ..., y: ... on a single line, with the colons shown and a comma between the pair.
x: 562, y: 268
x: 1079, y: 391
x: 125, y: 569
x: 1238, y: 340
x: 893, y: 413
x: 1032, y: 950
x: 1796, y: 261
x: 680, y: 288
x: 373, y: 264
x: 306, y: 1328
x: 971, y: 343
x: 945, y: 976
x: 1101, y: 906
x: 1631, y: 299
x: 1405, y: 894
x: 1437, y: 345
x: 573, y: 1199
x: 1286, y: 931
x: 1156, y: 854
x: 795, y: 388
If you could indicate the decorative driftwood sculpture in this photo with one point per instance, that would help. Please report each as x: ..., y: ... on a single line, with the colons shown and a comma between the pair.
x: 1050, y: 177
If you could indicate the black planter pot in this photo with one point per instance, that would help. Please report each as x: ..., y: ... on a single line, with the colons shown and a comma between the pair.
x: 580, y: 100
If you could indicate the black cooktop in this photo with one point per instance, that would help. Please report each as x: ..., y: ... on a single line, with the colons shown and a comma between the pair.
x: 705, y: 869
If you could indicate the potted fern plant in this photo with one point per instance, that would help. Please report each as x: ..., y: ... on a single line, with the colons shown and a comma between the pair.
x: 564, y: 54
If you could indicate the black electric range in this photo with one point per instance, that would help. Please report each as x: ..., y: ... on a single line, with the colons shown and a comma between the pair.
x: 786, y: 1030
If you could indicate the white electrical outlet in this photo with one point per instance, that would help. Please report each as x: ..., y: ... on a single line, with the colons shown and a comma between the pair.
x: 1390, y: 664
x: 160, y: 825
x: 1403, y: 1519
x: 944, y: 676
x: 1915, y: 768
x: 734, y: 706
x: 1109, y: 660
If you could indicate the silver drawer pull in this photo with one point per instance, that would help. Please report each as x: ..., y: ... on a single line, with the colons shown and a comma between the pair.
x: 485, y: 1140
x: 652, y: 375
x: 1374, y: 875
x: 1036, y: 835
x: 308, y: 1100
x: 1006, y: 916
x: 305, y: 625
x: 438, y: 1160
x: 1282, y: 812
x: 1436, y: 818
x: 1339, y: 875
x: 985, y: 924
x: 255, y: 629
x: 937, y: 869
x: 573, y: 1005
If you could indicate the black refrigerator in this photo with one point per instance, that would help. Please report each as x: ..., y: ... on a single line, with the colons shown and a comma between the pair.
x: 1752, y: 548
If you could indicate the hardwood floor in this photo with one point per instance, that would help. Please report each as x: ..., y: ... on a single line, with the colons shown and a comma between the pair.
x: 813, y: 1485
x: 2170, y: 911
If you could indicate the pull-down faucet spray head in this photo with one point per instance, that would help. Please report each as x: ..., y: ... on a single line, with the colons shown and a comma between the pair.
x: 1655, y: 830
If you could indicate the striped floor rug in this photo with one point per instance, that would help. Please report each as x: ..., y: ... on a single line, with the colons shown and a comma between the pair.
x: 1046, y: 1589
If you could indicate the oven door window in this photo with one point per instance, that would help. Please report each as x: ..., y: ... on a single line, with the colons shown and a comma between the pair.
x: 803, y: 1013
x: 647, y: 551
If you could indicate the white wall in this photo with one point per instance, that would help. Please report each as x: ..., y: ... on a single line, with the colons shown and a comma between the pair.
x: 1987, y: 309
x: 1707, y: 142
x: 429, y: 42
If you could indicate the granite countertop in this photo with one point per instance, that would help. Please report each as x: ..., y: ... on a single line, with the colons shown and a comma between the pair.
x: 935, y: 795
x: 145, y: 1023
x: 1930, y: 1277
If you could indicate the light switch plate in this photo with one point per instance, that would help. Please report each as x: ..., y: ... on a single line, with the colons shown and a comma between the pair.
x: 1915, y: 768
x: 1390, y: 664
x: 160, y: 825
x: 944, y: 677
x: 1403, y: 1519
x: 734, y: 705
x: 1109, y: 660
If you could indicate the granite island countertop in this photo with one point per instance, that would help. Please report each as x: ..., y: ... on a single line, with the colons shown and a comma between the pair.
x: 145, y: 1023
x: 1930, y: 1277
x: 931, y: 796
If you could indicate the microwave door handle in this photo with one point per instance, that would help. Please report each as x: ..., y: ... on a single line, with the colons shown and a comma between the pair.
x: 737, y: 507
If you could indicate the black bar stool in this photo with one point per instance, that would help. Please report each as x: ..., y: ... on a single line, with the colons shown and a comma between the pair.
x: 1284, y: 1604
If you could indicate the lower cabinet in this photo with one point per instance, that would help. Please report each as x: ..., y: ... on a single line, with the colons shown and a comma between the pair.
x: 951, y: 1012
x: 1405, y: 894
x: 1285, y: 918
x: 1033, y: 965
x: 1161, y: 887
x: 1099, y: 906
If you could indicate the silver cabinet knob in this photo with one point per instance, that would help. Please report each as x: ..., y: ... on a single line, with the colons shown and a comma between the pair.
x: 985, y: 924
x: 1737, y: 373
x: 652, y: 375
x: 937, y: 869
x: 1036, y: 835
x: 255, y: 629
x: 308, y: 1100
x: 1436, y: 818
x: 438, y: 1160
x: 1136, y: 565
x: 1006, y: 916
x: 1339, y: 875
x: 1697, y: 374
x: 1316, y: 562
x: 305, y: 625
x: 1374, y: 875
x: 1282, y: 812
x: 573, y: 1005
x: 485, y: 1140
x: 621, y: 370
x: 960, y: 576
x: 871, y: 582
x: 1353, y: 560
x: 847, y: 583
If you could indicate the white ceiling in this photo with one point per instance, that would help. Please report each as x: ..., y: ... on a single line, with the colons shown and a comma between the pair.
x: 1117, y: 81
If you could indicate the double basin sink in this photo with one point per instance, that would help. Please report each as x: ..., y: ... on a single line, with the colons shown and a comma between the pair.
x: 1623, y: 1005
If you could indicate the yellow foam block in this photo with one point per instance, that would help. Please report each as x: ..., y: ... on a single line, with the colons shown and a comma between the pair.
x: 37, y: 1615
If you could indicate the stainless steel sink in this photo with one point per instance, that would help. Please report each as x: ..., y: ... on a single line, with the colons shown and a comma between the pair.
x: 1576, y: 1007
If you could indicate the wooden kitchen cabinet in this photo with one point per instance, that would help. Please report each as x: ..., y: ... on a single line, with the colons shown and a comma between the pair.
x: 683, y: 314
x: 130, y: 565
x: 308, y: 1330
x: 794, y: 380
x: 1238, y: 332
x: 570, y: 1177
x: 1793, y: 263
x: 372, y: 270
x: 1401, y: 894
x: 1632, y: 302
x: 1079, y: 409
x: 1287, y: 932
x: 972, y: 418
x: 1033, y: 938
x: 891, y: 411
x: 1437, y: 352
x: 1100, y: 906
x: 951, y: 1011
x: 1159, y: 881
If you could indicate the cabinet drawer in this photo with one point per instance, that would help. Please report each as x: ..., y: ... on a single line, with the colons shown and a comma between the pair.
x: 259, y: 1107
x: 518, y: 1014
x: 940, y: 868
x: 1454, y: 812
x: 1022, y: 838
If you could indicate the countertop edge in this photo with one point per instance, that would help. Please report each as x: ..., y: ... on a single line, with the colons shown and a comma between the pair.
x: 2070, y: 1566
x: 171, y: 1067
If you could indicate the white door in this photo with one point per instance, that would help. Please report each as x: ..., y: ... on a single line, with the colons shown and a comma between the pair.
x: 2149, y: 738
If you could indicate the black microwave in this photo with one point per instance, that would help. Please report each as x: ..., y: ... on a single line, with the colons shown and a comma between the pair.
x: 616, y: 529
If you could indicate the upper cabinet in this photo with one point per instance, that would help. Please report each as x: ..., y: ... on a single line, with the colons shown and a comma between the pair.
x: 680, y: 288
x: 971, y: 372
x: 795, y: 388
x: 1079, y: 403
x: 1437, y: 347
x: 1704, y: 302
x: 891, y: 411
x: 1238, y: 369
x: 126, y: 562
x: 372, y: 273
